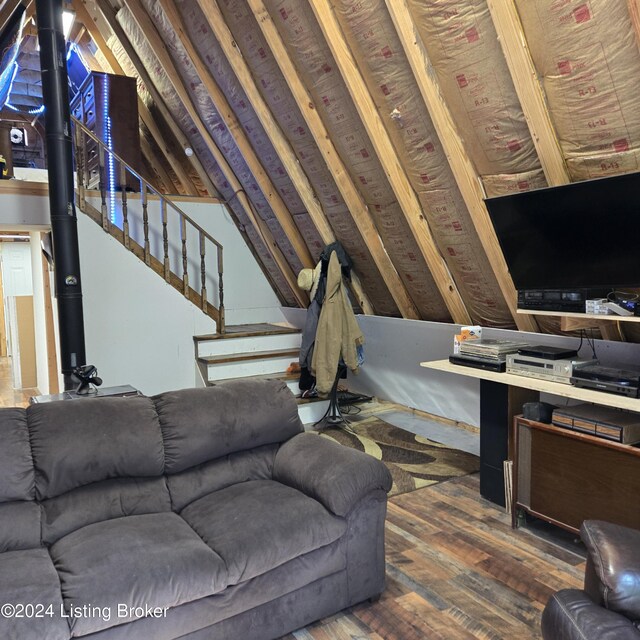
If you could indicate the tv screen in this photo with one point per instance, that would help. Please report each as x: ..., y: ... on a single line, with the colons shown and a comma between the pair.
x: 584, y: 234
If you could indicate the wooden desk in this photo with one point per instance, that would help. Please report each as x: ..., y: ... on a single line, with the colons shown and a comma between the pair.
x: 501, y: 398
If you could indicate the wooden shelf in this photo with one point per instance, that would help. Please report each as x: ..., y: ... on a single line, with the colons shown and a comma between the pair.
x: 583, y: 316
x: 535, y: 384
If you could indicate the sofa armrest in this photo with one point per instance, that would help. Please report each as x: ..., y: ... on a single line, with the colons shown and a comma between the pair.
x: 613, y: 576
x: 571, y: 615
x: 331, y: 473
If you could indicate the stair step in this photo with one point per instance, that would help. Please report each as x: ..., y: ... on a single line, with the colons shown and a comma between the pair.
x: 247, y: 330
x: 245, y: 343
x: 250, y: 355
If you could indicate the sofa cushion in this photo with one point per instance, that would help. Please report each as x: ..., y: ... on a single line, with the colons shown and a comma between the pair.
x: 16, y: 466
x: 28, y: 577
x: 194, y: 483
x: 101, y: 501
x: 19, y: 526
x: 258, y: 525
x: 139, y: 561
x: 199, y: 425
x: 77, y: 443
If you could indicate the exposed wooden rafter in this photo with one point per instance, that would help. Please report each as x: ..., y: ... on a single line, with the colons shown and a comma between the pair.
x: 278, y: 206
x: 463, y: 169
x: 261, y: 227
x: 300, y: 181
x: 352, y: 197
x: 145, y: 114
x: 530, y: 93
x: 388, y: 157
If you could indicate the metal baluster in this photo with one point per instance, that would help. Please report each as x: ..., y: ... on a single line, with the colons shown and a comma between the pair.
x: 185, y: 274
x: 165, y: 240
x: 221, y: 325
x: 125, y: 213
x: 145, y: 224
x: 203, y: 273
x: 106, y: 223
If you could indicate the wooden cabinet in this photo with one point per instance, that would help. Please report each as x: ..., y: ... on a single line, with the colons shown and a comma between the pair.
x: 566, y: 477
x: 108, y: 106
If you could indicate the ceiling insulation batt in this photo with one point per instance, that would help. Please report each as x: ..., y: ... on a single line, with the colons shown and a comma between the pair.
x: 463, y: 48
x: 387, y: 72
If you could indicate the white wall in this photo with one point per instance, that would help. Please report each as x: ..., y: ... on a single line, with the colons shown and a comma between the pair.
x: 139, y: 330
x: 395, y: 347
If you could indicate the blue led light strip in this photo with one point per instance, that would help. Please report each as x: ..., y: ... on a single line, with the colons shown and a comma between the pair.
x: 106, y: 136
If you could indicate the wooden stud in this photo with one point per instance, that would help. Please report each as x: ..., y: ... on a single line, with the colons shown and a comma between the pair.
x: 463, y: 169
x: 352, y: 197
x: 158, y: 167
x: 221, y: 104
x: 260, y: 226
x: 531, y: 95
x: 243, y: 74
x: 52, y: 360
x: 389, y: 159
x: 145, y: 114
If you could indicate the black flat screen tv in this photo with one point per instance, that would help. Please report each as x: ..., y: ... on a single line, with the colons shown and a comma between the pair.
x: 580, y: 235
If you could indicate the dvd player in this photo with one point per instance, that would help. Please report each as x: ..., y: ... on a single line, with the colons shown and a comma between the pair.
x: 558, y: 299
x: 550, y: 353
x: 624, y: 382
x: 545, y: 368
x: 478, y: 362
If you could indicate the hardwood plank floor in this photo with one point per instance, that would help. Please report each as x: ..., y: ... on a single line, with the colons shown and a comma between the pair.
x: 456, y: 570
x: 10, y: 397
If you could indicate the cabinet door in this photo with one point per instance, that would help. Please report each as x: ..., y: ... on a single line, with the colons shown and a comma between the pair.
x: 568, y: 479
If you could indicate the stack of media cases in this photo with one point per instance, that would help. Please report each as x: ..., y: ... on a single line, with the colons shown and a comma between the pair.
x: 485, y: 354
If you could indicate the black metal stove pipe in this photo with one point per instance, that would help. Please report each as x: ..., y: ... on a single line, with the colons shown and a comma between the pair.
x: 64, y: 225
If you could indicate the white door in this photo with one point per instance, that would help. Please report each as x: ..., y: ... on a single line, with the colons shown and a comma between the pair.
x: 16, y: 279
x: 16, y: 269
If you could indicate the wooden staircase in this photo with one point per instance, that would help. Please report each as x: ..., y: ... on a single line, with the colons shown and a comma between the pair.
x: 255, y: 351
x: 169, y: 242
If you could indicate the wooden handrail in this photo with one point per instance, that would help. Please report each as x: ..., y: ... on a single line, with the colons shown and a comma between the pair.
x: 161, y: 264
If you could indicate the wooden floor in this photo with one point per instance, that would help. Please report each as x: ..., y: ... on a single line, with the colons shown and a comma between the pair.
x: 8, y: 396
x: 456, y: 571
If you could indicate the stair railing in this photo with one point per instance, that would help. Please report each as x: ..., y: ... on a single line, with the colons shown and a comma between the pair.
x: 114, y: 192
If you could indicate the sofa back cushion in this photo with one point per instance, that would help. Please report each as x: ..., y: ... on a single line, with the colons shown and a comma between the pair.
x: 101, y: 501
x: 199, y: 425
x: 76, y: 443
x: 19, y: 514
x: 16, y: 466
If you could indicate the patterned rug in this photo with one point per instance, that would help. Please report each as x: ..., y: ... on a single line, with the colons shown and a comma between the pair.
x: 414, y: 461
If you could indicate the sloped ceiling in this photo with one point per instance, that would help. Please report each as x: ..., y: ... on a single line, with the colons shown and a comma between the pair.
x: 383, y: 124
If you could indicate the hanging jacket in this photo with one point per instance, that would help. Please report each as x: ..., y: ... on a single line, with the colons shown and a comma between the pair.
x: 338, y: 333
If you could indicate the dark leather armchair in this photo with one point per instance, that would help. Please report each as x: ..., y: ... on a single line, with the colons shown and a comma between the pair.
x: 609, y: 606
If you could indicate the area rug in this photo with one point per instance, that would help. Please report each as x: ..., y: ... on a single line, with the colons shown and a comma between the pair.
x: 414, y: 461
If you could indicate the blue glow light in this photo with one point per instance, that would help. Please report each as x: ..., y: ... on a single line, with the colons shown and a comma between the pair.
x: 111, y: 169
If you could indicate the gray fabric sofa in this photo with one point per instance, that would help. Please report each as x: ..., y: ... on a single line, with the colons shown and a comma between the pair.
x: 200, y: 514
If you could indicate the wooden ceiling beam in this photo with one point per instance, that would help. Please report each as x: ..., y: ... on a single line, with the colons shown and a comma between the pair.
x: 145, y: 115
x: 281, y: 145
x: 157, y: 165
x: 261, y: 227
x: 352, y: 197
x: 388, y: 157
x: 7, y: 8
x: 461, y: 164
x: 225, y: 111
x: 530, y: 93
